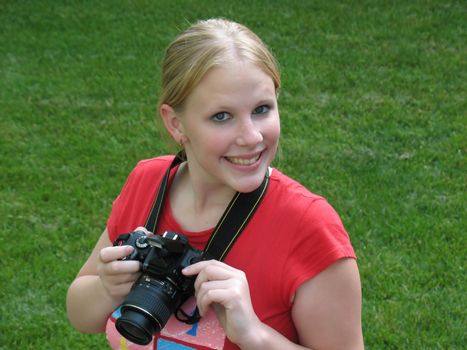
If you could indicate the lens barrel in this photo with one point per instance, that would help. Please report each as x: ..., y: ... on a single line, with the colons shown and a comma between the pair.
x: 147, y: 309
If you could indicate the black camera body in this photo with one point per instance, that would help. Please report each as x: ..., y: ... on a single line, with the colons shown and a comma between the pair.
x: 161, y: 289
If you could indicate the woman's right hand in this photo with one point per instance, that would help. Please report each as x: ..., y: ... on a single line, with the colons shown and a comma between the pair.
x: 101, y: 285
x: 117, y: 276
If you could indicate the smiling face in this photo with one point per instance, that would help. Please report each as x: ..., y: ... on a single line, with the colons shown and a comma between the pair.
x: 230, y: 126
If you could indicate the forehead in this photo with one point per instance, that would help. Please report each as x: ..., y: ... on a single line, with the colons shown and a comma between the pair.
x: 226, y: 84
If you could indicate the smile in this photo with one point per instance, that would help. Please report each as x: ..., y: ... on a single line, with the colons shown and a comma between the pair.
x: 243, y: 161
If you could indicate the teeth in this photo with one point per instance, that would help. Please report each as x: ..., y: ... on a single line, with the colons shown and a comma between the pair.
x: 242, y: 161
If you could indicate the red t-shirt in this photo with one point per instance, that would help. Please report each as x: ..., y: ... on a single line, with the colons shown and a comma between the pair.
x: 293, y: 236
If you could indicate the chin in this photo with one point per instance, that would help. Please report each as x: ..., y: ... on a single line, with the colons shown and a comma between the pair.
x: 248, y: 186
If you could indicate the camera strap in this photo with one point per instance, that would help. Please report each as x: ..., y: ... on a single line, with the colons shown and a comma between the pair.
x: 239, y: 211
x: 234, y: 219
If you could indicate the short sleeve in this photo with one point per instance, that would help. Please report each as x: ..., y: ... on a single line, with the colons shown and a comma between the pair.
x: 119, y: 204
x: 131, y: 207
x: 321, y: 240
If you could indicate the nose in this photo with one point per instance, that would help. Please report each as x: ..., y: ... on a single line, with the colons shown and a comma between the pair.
x: 249, y: 134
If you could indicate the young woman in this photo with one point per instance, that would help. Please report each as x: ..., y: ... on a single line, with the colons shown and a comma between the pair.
x: 291, y: 280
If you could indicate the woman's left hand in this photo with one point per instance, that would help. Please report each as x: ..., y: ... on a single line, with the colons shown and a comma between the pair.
x: 226, y: 290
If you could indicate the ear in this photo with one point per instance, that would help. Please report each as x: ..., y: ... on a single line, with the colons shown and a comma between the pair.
x: 172, y: 123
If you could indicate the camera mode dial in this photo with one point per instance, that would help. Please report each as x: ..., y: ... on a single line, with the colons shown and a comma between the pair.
x: 142, y: 242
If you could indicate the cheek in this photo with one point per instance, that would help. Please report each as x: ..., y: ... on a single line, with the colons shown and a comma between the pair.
x: 273, y: 129
x: 212, y: 140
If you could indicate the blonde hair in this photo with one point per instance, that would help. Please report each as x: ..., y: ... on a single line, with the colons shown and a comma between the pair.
x: 206, y: 44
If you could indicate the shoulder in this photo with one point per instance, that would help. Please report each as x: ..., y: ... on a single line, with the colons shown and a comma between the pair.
x: 145, y: 176
x: 149, y: 169
x: 132, y: 205
x: 290, y: 186
x: 288, y: 193
x: 299, y: 205
x: 152, y: 164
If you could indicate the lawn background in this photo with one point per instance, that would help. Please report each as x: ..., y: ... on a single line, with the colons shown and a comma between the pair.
x: 373, y: 117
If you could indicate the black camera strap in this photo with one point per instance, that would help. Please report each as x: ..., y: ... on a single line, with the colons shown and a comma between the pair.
x: 239, y: 211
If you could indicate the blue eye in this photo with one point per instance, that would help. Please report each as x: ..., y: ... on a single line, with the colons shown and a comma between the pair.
x: 261, y: 109
x: 221, y: 116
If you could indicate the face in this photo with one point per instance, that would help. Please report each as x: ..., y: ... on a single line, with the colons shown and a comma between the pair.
x: 231, y: 127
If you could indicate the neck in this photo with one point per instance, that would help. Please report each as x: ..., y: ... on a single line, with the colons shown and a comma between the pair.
x: 201, y: 193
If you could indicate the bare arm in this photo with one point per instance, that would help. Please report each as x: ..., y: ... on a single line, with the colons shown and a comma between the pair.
x: 326, y: 310
x: 100, y: 286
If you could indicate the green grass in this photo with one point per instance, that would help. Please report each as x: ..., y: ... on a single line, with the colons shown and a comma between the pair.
x: 373, y: 114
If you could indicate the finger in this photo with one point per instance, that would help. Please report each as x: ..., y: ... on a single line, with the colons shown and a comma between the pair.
x: 196, y: 268
x: 210, y: 285
x: 118, y: 267
x: 122, y: 278
x: 132, y: 277
x: 220, y: 273
x: 143, y: 229
x: 213, y: 297
x: 109, y: 254
x: 236, y: 287
x: 120, y: 290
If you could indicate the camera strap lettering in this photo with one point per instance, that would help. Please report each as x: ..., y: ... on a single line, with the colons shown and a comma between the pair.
x: 239, y: 211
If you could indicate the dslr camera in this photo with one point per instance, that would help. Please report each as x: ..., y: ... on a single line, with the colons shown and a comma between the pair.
x: 161, y: 289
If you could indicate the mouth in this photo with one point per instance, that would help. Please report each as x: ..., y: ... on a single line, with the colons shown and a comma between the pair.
x: 244, y: 161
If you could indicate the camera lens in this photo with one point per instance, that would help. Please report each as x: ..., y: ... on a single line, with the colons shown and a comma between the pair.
x: 136, y: 327
x: 147, y: 309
